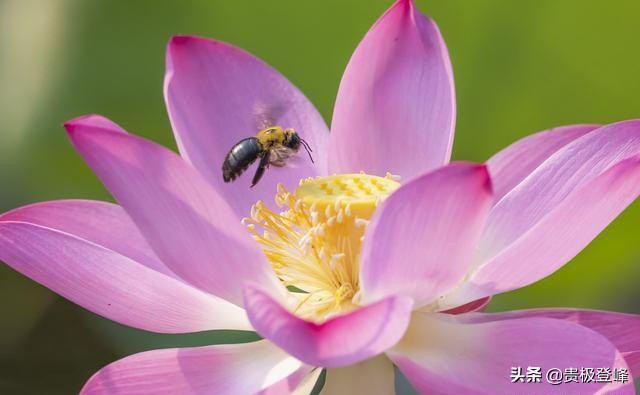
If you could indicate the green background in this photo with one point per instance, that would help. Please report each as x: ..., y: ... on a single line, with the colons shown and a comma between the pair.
x: 520, y: 67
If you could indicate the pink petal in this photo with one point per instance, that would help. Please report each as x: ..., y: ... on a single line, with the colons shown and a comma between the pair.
x: 111, y: 284
x: 442, y: 355
x: 294, y: 384
x: 556, y: 211
x: 421, y: 239
x: 217, y: 95
x: 308, y: 383
x: 248, y: 368
x: 559, y: 236
x: 188, y: 225
x: 476, y: 305
x: 513, y: 164
x: 102, y: 223
x: 339, y: 341
x: 623, y: 330
x: 395, y: 110
x: 100, y: 122
x: 371, y: 377
x: 305, y: 386
x: 564, y: 172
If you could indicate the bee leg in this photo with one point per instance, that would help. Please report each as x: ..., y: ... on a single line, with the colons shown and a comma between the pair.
x: 264, y: 164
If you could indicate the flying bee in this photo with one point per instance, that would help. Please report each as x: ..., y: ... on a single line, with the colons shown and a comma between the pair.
x: 273, y: 145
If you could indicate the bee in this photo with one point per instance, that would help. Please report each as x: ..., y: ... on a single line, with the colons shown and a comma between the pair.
x: 273, y: 145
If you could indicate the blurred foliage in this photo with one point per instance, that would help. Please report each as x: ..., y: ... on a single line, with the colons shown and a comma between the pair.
x: 519, y: 66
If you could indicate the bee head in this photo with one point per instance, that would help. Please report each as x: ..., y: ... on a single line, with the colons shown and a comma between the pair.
x: 291, y: 139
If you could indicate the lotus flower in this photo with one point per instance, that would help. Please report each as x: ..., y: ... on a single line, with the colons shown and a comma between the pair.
x: 355, y: 272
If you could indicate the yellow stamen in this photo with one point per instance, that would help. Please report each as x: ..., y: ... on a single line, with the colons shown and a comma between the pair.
x: 314, y: 244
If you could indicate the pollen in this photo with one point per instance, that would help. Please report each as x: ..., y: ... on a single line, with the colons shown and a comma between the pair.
x: 313, y: 241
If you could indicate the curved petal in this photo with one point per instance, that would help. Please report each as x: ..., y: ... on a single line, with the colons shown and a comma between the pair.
x: 102, y: 223
x: 438, y: 350
x: 339, y: 341
x: 396, y: 102
x: 513, y: 164
x: 111, y: 284
x: 564, y: 172
x: 556, y: 211
x: 184, y: 220
x: 623, y: 330
x: 476, y: 305
x: 296, y: 383
x: 216, y: 95
x: 421, y: 239
x: 248, y: 368
x: 558, y: 237
x: 308, y: 383
x: 374, y: 376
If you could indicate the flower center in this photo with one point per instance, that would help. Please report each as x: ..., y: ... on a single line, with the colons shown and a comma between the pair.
x: 314, y: 243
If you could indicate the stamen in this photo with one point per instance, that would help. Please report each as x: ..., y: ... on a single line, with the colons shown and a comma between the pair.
x: 314, y: 244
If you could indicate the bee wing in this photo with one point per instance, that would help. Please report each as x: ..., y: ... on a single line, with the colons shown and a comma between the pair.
x: 271, y: 114
x: 279, y: 155
x: 267, y: 115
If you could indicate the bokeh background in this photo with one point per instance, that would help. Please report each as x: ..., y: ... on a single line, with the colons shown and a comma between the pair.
x: 520, y: 67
